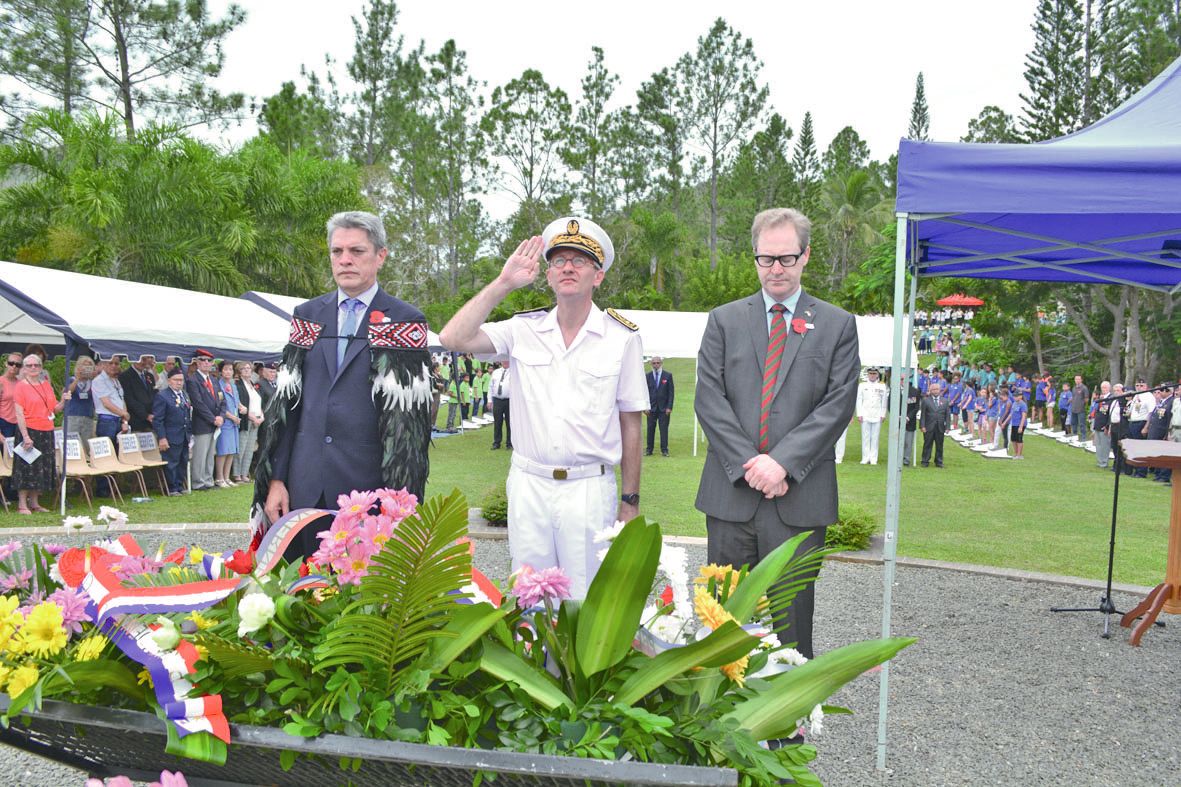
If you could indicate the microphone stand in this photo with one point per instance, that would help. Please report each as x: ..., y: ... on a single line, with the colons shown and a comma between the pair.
x: 1106, y: 605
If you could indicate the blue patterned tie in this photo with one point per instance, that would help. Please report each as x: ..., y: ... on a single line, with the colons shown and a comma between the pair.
x: 346, y: 330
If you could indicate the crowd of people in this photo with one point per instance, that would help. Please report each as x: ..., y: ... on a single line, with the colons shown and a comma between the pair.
x: 218, y: 413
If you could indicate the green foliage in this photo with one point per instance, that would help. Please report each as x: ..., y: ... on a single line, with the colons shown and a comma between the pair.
x: 494, y: 508
x: 852, y: 530
x: 393, y: 618
x: 735, y: 277
x: 920, y: 115
x: 985, y: 349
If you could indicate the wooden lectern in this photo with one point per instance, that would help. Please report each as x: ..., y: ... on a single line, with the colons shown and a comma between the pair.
x: 1167, y: 595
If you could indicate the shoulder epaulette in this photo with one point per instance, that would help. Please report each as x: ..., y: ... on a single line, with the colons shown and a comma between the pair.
x: 625, y: 322
x: 538, y: 311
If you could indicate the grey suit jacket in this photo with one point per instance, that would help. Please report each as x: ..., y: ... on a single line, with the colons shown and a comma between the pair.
x: 814, y: 398
x: 934, y: 417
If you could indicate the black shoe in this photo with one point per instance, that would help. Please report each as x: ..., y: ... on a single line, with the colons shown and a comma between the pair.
x: 509, y: 446
x: 664, y: 453
x: 926, y: 464
x: 648, y: 453
x: 495, y: 448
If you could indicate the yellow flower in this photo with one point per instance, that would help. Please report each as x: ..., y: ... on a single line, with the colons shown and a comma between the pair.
x: 143, y: 676
x: 712, y: 614
x: 725, y: 578
x: 200, y: 621
x: 43, y: 634
x: 8, y: 605
x: 202, y: 652
x: 196, y: 555
x: 22, y: 678
x: 709, y: 611
x: 90, y: 648
x: 5, y: 674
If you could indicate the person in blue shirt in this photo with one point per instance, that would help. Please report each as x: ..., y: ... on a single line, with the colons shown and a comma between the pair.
x: 967, y: 406
x: 1064, y: 399
x: 924, y: 382
x: 994, y: 409
x: 983, y: 396
x: 1039, y: 400
x: 1004, y: 416
x: 954, y: 392
x: 1018, y: 418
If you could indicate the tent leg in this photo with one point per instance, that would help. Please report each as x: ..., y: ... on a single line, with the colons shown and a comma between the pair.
x: 893, y: 479
x: 912, y: 363
x: 70, y: 350
x: 695, y: 422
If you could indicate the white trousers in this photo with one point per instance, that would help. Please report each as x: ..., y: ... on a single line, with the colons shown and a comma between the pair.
x: 839, y: 448
x: 553, y: 523
x: 870, y: 431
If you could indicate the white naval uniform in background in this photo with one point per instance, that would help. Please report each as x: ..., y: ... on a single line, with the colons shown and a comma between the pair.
x: 872, y: 403
x: 566, y: 436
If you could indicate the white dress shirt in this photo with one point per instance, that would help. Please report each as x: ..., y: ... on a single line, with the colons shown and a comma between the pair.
x: 567, y: 400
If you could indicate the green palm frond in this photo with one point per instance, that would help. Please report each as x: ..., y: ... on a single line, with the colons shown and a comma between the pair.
x: 235, y: 660
x: 403, y: 602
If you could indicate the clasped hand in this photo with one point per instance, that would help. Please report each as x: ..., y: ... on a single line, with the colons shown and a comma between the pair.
x: 766, y: 475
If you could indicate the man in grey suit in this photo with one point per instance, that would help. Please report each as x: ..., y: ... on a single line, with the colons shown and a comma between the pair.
x: 777, y: 384
x: 933, y: 420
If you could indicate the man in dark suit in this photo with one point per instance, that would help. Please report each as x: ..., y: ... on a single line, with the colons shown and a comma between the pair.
x: 172, y: 421
x: 139, y: 392
x: 776, y: 386
x: 933, y: 419
x: 660, y: 400
x: 330, y: 444
x: 205, y: 397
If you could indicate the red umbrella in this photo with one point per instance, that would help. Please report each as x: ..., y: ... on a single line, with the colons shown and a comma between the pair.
x: 959, y: 299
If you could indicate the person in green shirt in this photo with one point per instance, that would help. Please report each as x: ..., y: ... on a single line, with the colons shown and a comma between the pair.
x: 465, y: 397
x: 483, y: 381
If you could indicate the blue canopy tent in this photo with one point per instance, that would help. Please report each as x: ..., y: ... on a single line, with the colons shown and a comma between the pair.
x: 1100, y: 206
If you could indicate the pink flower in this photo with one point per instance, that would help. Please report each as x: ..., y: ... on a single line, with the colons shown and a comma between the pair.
x: 7, y: 550
x: 170, y: 779
x: 130, y: 565
x: 532, y: 587
x: 355, y: 563
x: 355, y: 504
x: 17, y: 581
x: 54, y: 549
x: 377, y: 530
x: 73, y: 606
x: 397, y: 503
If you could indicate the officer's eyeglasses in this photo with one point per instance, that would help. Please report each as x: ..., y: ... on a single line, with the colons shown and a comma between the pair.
x: 558, y: 263
x: 786, y: 260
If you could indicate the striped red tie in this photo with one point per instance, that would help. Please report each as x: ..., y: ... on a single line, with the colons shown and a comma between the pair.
x: 771, y: 372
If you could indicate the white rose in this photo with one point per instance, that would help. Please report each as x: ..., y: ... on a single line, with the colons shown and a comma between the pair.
x: 254, y: 612
x: 166, y: 637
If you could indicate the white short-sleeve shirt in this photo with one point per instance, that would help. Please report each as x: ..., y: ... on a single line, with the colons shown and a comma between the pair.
x: 567, y: 400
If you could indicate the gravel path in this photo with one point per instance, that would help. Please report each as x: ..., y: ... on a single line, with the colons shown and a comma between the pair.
x: 997, y: 690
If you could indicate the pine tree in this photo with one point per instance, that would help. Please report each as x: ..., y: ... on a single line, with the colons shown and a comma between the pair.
x: 1054, y: 71
x: 588, y: 137
x: 805, y: 163
x: 920, y: 117
x: 993, y: 124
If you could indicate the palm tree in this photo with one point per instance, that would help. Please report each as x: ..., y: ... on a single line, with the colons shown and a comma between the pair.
x: 853, y: 208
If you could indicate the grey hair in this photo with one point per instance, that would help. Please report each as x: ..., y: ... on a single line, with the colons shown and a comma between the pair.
x: 359, y: 220
x: 777, y: 217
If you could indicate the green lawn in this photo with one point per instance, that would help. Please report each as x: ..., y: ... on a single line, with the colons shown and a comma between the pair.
x: 1050, y: 512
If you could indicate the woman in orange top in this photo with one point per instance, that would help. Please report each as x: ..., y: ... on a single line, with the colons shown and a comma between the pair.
x: 35, y: 408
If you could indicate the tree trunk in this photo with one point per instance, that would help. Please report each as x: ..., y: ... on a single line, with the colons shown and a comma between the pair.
x: 713, y: 215
x: 1037, y: 343
x: 124, y: 75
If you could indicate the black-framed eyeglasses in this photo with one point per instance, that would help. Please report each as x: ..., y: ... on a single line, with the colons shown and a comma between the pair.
x: 577, y: 262
x: 14, y: 363
x: 786, y: 260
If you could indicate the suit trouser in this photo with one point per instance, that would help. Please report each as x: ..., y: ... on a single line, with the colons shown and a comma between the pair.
x: 908, y: 447
x: 658, y: 418
x: 554, y: 523
x: 1136, y: 431
x: 870, y: 431
x: 933, y: 438
x: 500, y: 421
x: 177, y: 457
x: 106, y: 426
x: 202, y: 460
x: 742, y: 543
x: 1102, y: 447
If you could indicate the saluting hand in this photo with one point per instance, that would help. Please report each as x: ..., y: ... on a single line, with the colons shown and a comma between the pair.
x: 521, y: 267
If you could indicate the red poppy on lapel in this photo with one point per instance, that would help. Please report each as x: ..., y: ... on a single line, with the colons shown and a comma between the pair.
x: 799, y: 326
x: 376, y: 316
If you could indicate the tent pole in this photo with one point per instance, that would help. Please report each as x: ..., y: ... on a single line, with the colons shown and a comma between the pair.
x: 912, y: 363
x: 893, y: 479
x: 70, y: 348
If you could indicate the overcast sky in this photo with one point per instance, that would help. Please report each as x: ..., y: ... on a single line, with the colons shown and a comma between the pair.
x: 850, y: 62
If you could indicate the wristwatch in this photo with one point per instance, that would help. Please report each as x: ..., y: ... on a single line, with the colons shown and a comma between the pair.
x: 631, y: 500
